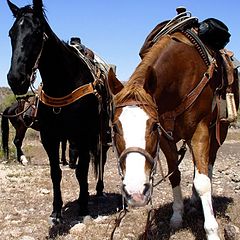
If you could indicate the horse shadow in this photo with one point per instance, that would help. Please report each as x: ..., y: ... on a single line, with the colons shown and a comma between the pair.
x: 105, y: 205
x: 160, y: 229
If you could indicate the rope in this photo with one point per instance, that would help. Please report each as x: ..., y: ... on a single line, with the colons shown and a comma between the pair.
x: 181, y: 152
x: 149, y: 223
x: 17, y: 114
x: 118, y: 220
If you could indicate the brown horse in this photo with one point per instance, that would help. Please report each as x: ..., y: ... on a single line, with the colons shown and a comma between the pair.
x: 172, y: 95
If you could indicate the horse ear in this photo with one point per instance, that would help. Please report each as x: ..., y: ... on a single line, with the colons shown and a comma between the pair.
x: 150, y: 83
x: 38, y: 7
x: 114, y: 84
x: 13, y: 8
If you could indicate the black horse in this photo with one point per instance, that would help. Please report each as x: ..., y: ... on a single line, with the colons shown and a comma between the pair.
x: 21, y: 116
x: 73, y: 99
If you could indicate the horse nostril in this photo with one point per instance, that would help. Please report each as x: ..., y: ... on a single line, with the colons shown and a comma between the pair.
x: 10, y: 78
x: 146, y: 189
x: 125, y: 190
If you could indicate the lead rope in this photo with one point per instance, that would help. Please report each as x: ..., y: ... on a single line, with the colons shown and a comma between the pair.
x: 149, y: 223
x: 181, y: 152
x: 15, y: 115
x: 118, y: 220
x: 122, y: 214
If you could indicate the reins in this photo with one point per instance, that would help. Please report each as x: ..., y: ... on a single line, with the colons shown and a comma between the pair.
x: 181, y: 152
x: 15, y: 115
x: 118, y: 220
x: 152, y: 211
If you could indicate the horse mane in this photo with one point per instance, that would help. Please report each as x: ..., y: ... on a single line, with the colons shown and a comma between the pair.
x: 133, y: 90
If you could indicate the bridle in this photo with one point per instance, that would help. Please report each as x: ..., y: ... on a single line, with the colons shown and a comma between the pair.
x: 143, y: 152
x: 34, y: 70
x: 151, y: 160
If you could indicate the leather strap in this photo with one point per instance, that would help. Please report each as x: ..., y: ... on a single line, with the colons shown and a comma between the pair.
x: 169, y: 117
x: 66, y: 100
x: 228, y: 66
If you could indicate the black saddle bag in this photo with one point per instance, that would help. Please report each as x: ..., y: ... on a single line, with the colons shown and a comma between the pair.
x: 214, y: 33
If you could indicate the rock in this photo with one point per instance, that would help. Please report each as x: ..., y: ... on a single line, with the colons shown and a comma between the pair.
x: 27, y: 238
x: 87, y: 219
x: 231, y: 232
x: 76, y: 229
x: 236, y: 178
x: 44, y: 191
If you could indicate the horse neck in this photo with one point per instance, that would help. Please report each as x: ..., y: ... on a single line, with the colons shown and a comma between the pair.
x: 61, y: 69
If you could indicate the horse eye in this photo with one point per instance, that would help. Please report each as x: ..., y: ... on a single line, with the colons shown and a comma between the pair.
x: 115, y: 128
x: 154, y: 127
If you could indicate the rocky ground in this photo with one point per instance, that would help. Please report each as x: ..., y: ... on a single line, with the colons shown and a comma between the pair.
x: 26, y: 202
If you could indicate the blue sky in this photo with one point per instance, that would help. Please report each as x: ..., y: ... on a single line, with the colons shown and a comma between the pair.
x: 115, y: 30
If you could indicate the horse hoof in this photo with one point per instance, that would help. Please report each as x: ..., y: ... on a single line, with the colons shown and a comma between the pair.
x: 72, y: 165
x: 24, y: 160
x: 83, y: 212
x: 101, y: 194
x: 176, y: 223
x: 55, y: 219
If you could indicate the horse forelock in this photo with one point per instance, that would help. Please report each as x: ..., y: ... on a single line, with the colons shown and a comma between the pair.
x: 24, y: 10
x: 136, y: 93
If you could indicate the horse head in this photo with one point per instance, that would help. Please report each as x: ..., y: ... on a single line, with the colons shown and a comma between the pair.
x: 136, y: 136
x: 27, y: 38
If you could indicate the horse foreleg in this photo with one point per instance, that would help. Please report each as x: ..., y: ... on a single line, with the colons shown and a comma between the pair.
x: 56, y: 176
x: 170, y: 151
x: 18, y: 140
x: 82, y: 177
x: 200, y: 145
x: 100, y: 183
x: 52, y: 149
x: 63, y: 155
x: 73, y: 156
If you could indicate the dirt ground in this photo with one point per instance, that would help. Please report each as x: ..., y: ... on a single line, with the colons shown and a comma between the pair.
x: 26, y: 202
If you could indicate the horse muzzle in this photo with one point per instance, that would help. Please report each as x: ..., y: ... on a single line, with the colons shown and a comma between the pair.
x: 139, y: 193
x: 19, y: 83
x: 137, y: 198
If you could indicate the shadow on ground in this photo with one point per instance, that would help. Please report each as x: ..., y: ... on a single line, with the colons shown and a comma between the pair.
x: 105, y: 205
x: 158, y: 225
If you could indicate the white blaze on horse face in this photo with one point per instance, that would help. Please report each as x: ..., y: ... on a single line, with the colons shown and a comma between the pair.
x: 134, y: 122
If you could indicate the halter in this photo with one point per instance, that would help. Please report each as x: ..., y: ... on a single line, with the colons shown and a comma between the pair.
x: 143, y: 152
x: 34, y: 69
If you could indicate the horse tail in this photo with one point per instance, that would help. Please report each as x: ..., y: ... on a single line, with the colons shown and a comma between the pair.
x: 5, y: 133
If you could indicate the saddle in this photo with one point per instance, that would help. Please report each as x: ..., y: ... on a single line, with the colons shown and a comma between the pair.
x: 99, y: 70
x: 187, y: 29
